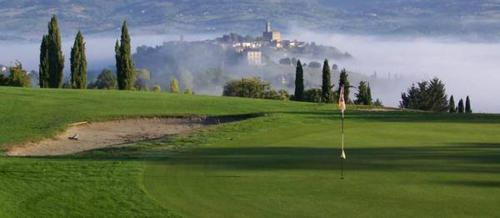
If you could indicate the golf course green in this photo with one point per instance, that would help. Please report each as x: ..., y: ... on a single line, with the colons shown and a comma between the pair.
x: 283, y: 161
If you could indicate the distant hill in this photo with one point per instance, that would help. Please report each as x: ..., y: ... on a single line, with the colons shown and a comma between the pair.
x: 470, y: 19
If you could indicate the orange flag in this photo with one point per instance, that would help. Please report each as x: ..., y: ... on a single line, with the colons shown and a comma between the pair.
x: 342, y: 100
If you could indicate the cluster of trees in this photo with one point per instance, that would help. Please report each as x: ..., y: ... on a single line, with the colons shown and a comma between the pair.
x: 51, y: 68
x: 253, y: 88
x: 461, y: 108
x: 108, y: 80
x: 257, y: 88
x: 431, y: 96
x: 126, y: 77
x: 105, y: 80
x: 326, y: 94
x: 17, y: 77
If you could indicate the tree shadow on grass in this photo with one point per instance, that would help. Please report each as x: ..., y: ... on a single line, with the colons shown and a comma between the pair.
x: 471, y: 158
x: 477, y: 184
x: 403, y: 116
x: 456, y: 158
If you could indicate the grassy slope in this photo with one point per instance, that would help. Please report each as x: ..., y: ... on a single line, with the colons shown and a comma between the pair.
x: 284, y: 164
x: 32, y: 114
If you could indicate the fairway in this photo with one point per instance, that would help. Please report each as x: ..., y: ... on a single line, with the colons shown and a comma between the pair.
x: 281, y: 162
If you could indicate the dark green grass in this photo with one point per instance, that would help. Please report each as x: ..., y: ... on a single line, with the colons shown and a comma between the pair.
x: 283, y: 164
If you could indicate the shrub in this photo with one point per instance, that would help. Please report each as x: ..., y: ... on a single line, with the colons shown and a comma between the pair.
x: 105, y: 80
x: 284, y: 95
x: 156, y: 88
x: 247, y: 87
x: 313, y: 95
x: 174, y: 86
x: 378, y: 103
x: 19, y: 77
x: 277, y: 95
x: 253, y: 88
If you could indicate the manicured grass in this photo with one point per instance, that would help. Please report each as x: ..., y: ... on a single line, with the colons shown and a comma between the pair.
x: 283, y: 164
x: 28, y: 114
x: 287, y: 166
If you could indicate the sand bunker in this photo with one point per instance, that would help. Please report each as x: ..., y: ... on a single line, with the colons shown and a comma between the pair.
x: 84, y: 136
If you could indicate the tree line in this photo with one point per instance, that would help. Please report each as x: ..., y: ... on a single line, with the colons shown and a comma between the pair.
x: 431, y: 96
x: 51, y: 65
x: 326, y: 93
x: 51, y: 68
x: 256, y: 88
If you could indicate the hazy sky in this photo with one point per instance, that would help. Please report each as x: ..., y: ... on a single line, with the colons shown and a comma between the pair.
x: 100, y: 49
x: 466, y: 68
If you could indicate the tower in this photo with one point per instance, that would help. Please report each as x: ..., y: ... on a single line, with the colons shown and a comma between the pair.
x: 270, y: 35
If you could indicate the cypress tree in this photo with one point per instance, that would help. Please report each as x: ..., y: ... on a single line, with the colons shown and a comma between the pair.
x: 43, y: 68
x: 78, y: 63
x: 55, y: 55
x: 119, y: 76
x: 326, y: 87
x: 299, y: 82
x: 460, y: 108
x: 452, y: 105
x: 468, y: 108
x: 124, y: 63
x: 344, y: 81
x: 369, y: 99
x: 362, y: 93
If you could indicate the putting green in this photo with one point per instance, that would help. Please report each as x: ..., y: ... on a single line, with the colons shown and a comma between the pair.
x: 287, y: 166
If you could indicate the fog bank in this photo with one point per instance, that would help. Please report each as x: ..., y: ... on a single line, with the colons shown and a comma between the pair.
x: 100, y: 49
x: 466, y: 68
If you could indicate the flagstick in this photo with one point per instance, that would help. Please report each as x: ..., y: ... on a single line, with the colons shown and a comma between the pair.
x: 342, y: 159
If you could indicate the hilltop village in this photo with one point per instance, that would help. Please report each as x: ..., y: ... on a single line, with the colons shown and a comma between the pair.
x: 271, y: 46
x: 252, y: 48
x: 209, y: 63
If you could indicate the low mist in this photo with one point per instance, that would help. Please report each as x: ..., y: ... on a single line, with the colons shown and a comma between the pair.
x: 466, y: 68
x: 100, y: 49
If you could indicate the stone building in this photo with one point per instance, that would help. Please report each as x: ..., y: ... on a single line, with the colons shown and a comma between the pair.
x: 253, y: 57
x: 270, y: 35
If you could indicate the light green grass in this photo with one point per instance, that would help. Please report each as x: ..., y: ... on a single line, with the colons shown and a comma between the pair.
x: 283, y: 164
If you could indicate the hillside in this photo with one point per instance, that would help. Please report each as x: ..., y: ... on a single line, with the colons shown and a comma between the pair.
x: 472, y: 20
